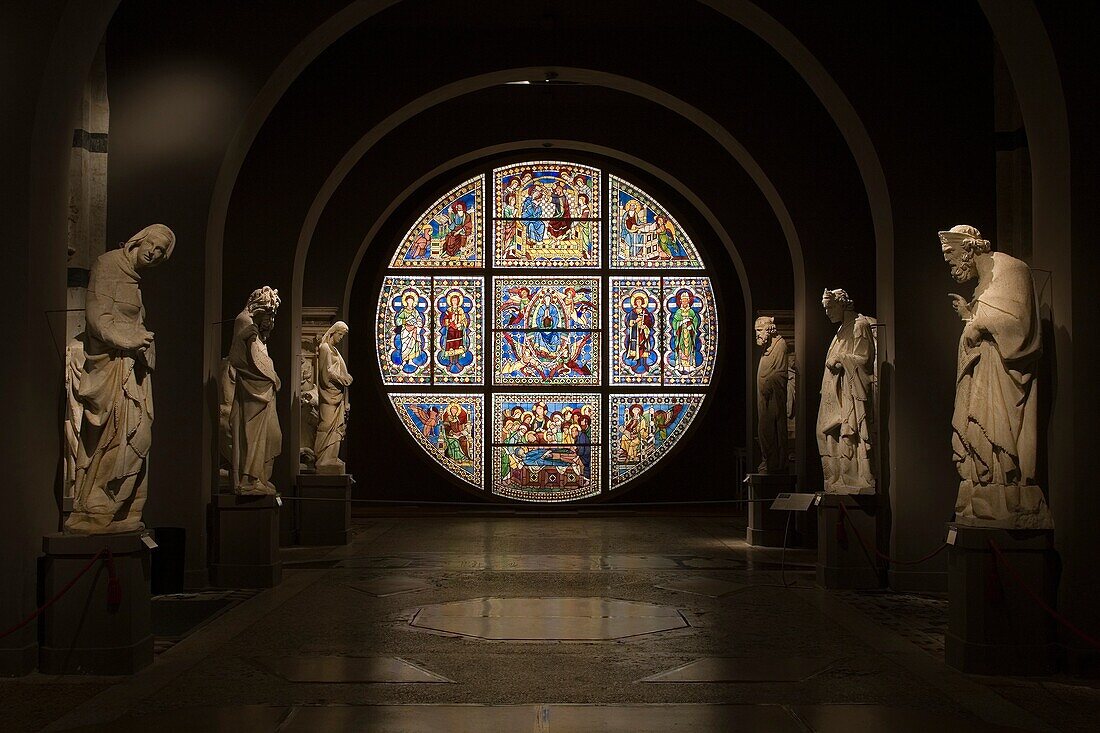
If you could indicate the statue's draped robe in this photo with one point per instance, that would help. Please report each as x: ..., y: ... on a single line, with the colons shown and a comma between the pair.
x: 994, y: 427
x: 846, y: 416
x: 772, y: 406
x: 257, y: 437
x: 332, y: 399
x: 116, y: 391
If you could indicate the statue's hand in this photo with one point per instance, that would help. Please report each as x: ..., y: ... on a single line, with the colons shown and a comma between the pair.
x: 972, y: 335
x: 961, y: 306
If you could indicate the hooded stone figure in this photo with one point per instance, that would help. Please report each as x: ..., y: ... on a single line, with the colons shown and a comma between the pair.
x: 771, y: 383
x: 994, y: 426
x: 114, y: 389
x: 333, y: 381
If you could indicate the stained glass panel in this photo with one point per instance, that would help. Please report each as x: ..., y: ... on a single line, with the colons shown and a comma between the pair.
x: 449, y: 234
x: 449, y: 427
x: 691, y: 330
x: 634, y: 313
x: 644, y: 427
x: 546, y: 447
x: 545, y: 303
x: 402, y: 329
x: 458, y: 322
x: 547, y: 215
x: 543, y: 334
x: 547, y: 357
x: 643, y: 234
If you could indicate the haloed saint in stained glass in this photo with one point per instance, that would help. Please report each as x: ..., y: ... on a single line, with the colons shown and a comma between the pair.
x: 644, y: 427
x: 635, y: 321
x: 691, y: 331
x: 449, y: 427
x: 644, y: 234
x: 402, y: 330
x: 449, y: 234
x: 547, y: 215
x: 546, y: 446
x: 458, y: 312
x: 543, y: 330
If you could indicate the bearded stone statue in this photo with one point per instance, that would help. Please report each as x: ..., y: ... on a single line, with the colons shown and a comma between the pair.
x: 994, y: 426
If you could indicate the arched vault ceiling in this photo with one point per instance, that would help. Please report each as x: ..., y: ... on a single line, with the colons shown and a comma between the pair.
x: 567, y: 112
x: 374, y: 69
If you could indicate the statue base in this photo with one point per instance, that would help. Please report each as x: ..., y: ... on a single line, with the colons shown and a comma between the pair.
x: 994, y: 627
x: 246, y: 530
x: 767, y: 528
x: 80, y: 633
x: 324, y: 509
x: 843, y: 563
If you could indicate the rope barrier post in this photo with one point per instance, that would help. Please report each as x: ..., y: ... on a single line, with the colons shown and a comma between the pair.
x: 766, y: 528
x: 847, y: 556
x: 324, y: 522
x: 995, y: 626
x: 96, y: 614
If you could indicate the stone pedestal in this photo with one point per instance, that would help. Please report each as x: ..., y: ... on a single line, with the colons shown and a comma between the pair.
x: 246, y: 530
x: 993, y: 626
x: 766, y: 527
x: 324, y: 508
x: 81, y: 634
x: 842, y: 560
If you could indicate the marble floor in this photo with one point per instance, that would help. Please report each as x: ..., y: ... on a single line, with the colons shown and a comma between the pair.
x: 570, y: 623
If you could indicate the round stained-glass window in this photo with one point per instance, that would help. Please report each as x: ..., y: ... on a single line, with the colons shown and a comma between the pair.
x: 530, y: 356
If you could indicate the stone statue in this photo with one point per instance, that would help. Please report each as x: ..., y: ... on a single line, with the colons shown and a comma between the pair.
x: 845, y: 418
x: 333, y: 381
x: 254, y: 434
x: 771, y: 382
x: 996, y: 395
x: 309, y: 416
x: 114, y: 387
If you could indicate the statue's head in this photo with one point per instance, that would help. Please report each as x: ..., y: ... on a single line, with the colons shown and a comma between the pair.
x: 262, y: 305
x: 150, y: 247
x: 765, y: 330
x: 835, y: 302
x: 335, y: 333
x: 961, y: 245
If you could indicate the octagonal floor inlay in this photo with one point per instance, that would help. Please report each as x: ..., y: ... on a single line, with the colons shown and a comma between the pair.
x: 548, y: 619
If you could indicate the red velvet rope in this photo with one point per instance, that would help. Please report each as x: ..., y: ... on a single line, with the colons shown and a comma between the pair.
x: 882, y: 555
x: 1015, y: 575
x: 111, y: 579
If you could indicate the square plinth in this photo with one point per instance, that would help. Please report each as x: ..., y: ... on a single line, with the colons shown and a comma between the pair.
x: 994, y: 626
x: 81, y: 632
x: 324, y: 508
x: 768, y: 527
x: 843, y: 558
x: 246, y: 530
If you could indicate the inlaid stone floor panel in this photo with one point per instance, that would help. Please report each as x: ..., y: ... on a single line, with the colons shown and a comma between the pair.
x: 553, y: 609
x: 712, y: 587
x: 343, y: 669
x: 743, y: 669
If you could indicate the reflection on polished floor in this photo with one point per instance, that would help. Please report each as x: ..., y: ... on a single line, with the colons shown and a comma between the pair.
x: 595, y: 623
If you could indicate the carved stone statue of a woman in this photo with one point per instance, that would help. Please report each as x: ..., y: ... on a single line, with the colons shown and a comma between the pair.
x: 333, y: 381
x: 115, y: 390
x: 254, y: 434
x: 771, y: 383
x: 845, y: 418
x: 994, y: 427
